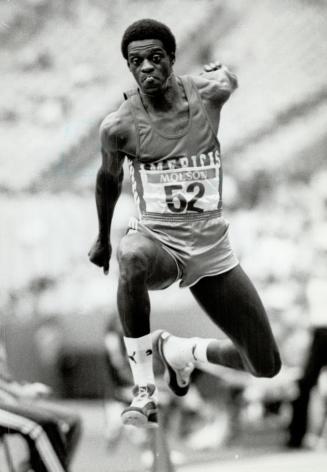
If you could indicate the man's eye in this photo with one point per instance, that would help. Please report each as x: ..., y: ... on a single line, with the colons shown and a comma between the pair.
x: 156, y: 58
x: 135, y: 61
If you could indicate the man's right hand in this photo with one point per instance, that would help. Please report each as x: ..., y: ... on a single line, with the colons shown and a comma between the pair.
x: 100, y: 254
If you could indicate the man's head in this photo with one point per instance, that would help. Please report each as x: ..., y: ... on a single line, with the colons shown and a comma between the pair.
x: 149, y: 47
x: 149, y: 29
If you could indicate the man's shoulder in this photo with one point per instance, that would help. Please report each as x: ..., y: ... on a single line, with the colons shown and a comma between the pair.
x: 117, y: 121
x: 116, y: 126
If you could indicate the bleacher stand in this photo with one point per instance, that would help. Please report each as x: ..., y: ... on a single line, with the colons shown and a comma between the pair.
x: 51, y: 432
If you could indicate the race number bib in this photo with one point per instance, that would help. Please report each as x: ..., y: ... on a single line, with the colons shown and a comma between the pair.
x: 170, y: 188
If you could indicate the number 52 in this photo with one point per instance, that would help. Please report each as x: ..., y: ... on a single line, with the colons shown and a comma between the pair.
x: 177, y: 203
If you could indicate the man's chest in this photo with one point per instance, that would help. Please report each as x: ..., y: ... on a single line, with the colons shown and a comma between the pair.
x: 171, y: 122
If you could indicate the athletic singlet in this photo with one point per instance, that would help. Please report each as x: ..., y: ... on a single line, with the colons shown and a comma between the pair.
x: 177, y: 186
x: 176, y: 176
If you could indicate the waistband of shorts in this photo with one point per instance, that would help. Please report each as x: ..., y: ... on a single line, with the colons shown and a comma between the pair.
x: 207, y: 215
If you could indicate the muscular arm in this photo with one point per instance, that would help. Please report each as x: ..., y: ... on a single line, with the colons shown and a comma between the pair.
x: 109, y: 180
x: 216, y: 83
x: 108, y: 188
x: 215, y: 86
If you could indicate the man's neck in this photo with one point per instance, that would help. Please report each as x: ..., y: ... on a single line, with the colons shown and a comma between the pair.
x: 166, y: 99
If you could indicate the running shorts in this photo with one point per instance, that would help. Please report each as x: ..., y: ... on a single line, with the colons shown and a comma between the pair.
x: 200, y: 248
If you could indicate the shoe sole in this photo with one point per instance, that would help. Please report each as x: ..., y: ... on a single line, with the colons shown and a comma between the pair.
x: 136, y: 417
x: 169, y: 371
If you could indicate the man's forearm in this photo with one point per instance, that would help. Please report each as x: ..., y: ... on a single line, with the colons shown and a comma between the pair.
x: 108, y: 189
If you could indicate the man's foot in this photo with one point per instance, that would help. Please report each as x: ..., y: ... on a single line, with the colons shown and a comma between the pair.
x: 143, y: 411
x: 178, y: 377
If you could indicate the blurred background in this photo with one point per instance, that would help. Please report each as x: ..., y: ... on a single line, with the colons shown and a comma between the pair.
x: 61, y: 73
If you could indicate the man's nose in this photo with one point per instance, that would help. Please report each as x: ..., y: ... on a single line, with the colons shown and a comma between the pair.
x: 147, y: 66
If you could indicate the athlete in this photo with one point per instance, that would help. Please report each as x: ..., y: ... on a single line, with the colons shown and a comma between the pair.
x: 167, y: 129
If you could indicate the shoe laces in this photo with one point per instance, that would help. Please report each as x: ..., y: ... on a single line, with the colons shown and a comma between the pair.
x: 143, y: 391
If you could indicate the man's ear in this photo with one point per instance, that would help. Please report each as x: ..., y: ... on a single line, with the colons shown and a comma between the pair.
x: 172, y: 58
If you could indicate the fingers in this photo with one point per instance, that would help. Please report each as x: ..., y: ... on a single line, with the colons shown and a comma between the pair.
x: 212, y: 66
x: 106, y: 266
x: 101, y: 263
x: 100, y: 256
x: 95, y: 259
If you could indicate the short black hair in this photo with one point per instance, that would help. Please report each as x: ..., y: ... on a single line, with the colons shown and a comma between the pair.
x: 148, y: 29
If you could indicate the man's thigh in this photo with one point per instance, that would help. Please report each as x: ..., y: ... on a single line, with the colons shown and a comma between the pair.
x: 232, y: 302
x: 161, y: 266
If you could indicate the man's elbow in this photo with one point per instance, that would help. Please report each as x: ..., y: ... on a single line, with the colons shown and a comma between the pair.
x: 104, y: 175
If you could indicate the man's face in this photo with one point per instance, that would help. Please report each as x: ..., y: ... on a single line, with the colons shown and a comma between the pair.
x: 150, y: 65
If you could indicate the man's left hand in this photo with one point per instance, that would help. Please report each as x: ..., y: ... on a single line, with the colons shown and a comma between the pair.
x: 220, y: 73
x: 212, y: 66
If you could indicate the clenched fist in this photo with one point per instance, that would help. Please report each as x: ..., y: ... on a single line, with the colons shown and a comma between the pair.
x: 100, y: 254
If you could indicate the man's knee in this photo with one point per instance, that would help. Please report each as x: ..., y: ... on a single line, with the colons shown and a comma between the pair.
x: 268, y: 367
x: 133, y: 263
